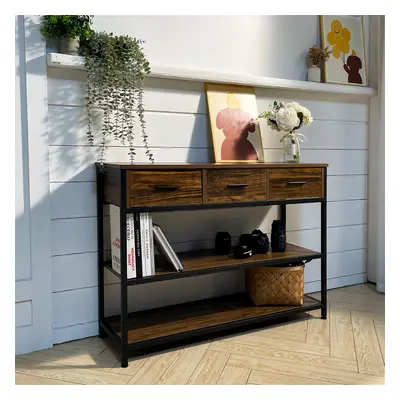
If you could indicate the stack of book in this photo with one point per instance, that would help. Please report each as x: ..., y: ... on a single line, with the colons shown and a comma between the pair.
x: 142, y: 236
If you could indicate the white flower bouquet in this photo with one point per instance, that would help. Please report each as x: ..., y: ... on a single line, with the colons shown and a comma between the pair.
x: 288, y: 118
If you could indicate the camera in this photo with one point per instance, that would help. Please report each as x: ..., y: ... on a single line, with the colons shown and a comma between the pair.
x: 257, y: 241
x: 242, y: 251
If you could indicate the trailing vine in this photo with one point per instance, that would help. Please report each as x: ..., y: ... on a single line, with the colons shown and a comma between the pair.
x: 116, y: 69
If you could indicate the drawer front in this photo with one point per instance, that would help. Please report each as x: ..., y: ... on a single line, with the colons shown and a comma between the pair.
x: 159, y: 188
x: 294, y: 183
x: 235, y: 185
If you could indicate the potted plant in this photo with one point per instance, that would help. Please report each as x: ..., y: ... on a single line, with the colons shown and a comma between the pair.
x: 288, y: 118
x: 116, y: 69
x: 68, y: 29
x: 316, y: 56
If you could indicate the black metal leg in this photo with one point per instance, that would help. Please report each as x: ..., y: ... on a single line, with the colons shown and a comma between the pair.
x: 124, y: 285
x: 124, y: 321
x: 324, y: 277
x: 324, y: 309
x: 124, y: 361
x: 100, y: 247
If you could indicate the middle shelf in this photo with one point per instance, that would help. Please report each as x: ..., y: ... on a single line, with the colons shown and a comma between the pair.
x: 208, y: 262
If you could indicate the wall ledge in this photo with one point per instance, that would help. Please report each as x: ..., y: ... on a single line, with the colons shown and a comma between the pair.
x: 56, y: 60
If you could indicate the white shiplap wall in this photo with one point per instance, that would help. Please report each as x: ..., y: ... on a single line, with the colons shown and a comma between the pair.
x: 178, y: 132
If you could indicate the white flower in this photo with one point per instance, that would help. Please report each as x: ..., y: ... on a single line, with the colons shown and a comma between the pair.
x: 294, y: 105
x: 287, y: 119
x: 307, y: 118
x: 299, y: 108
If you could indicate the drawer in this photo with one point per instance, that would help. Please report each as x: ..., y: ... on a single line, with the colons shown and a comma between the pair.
x: 294, y: 183
x: 159, y: 188
x: 235, y: 185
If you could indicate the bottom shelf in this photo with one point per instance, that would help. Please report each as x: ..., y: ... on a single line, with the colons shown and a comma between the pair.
x: 180, y: 321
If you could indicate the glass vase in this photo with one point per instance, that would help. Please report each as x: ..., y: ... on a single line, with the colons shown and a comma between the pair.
x: 291, y: 149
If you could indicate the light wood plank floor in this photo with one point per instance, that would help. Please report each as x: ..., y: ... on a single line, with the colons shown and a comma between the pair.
x: 346, y: 349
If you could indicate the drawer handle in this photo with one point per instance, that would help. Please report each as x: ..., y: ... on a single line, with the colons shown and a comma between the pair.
x: 297, y: 182
x: 237, y: 185
x: 167, y: 188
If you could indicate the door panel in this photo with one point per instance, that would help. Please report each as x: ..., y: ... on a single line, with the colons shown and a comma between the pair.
x: 33, y: 326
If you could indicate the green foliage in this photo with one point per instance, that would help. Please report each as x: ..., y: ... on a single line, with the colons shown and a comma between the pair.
x: 116, y: 68
x: 66, y: 26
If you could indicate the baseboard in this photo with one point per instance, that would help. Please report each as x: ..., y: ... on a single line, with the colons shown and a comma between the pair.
x: 75, y: 332
x: 312, y: 287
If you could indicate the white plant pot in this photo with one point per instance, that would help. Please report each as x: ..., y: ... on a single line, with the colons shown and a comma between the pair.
x: 314, y: 74
x: 69, y: 46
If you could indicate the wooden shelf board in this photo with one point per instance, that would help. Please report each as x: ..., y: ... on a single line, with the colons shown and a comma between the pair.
x: 57, y: 60
x: 206, y: 259
x: 179, y: 319
x: 207, y: 262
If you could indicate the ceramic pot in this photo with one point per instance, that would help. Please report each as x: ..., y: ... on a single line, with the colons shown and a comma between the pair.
x: 314, y: 74
x: 69, y: 46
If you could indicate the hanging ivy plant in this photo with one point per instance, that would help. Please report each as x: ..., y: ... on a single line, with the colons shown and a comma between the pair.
x: 116, y: 69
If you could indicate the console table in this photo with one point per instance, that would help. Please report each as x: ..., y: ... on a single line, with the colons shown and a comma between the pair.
x: 168, y: 187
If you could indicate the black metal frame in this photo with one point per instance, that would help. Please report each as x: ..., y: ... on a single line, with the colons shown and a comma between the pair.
x: 105, y: 330
x: 188, y: 207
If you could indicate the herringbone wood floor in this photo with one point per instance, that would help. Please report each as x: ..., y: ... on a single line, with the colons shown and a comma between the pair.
x: 348, y: 348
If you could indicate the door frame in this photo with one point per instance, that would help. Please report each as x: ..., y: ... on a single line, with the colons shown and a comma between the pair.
x: 33, y: 152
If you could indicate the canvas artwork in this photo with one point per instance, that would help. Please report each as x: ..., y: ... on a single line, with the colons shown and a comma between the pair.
x: 233, y: 111
x: 345, y: 37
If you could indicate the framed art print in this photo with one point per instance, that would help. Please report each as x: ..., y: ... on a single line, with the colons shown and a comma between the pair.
x: 344, y: 35
x: 233, y: 112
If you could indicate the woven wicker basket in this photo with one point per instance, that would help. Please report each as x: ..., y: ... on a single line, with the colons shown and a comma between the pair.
x: 276, y: 285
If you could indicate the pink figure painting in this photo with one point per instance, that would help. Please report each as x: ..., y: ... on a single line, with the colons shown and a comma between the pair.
x: 236, y: 124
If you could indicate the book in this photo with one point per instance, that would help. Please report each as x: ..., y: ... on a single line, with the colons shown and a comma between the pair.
x: 147, y: 245
x: 130, y: 262
x: 130, y: 249
x: 165, y: 248
x: 138, y: 249
x: 142, y: 243
x: 152, y: 261
x: 116, y: 243
x: 115, y: 239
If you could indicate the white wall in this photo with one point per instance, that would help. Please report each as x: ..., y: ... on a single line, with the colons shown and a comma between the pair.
x: 272, y: 46
x: 176, y: 116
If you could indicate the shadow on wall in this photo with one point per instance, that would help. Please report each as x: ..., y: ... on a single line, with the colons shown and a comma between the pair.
x: 31, y: 46
x: 71, y: 156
